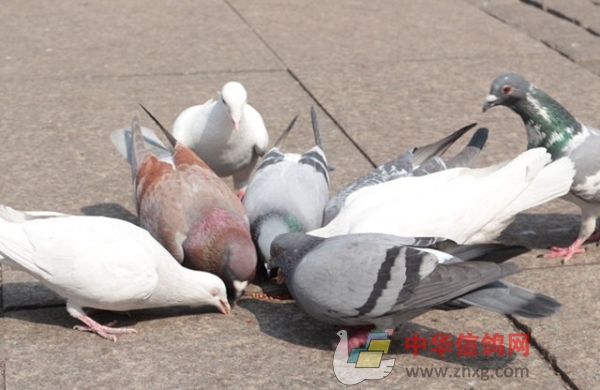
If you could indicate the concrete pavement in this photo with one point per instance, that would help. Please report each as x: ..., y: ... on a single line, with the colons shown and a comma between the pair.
x: 385, y: 75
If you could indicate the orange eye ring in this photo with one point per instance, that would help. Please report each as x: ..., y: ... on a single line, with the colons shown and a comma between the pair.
x: 507, y: 89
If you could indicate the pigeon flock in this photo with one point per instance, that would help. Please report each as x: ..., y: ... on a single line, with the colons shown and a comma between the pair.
x: 415, y: 234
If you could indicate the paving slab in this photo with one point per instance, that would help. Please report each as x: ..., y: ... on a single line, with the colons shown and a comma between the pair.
x: 570, y: 28
x: 582, y: 13
x: 569, y: 336
x: 320, y: 32
x: 262, y: 344
x: 75, y: 39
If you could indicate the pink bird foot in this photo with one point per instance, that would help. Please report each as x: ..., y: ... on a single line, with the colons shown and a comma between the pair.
x: 357, y: 336
x: 566, y: 253
x: 104, y: 331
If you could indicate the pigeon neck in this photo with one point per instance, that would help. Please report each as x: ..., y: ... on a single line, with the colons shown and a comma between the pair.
x: 179, y: 286
x: 208, y: 241
x: 269, y: 226
x: 547, y: 122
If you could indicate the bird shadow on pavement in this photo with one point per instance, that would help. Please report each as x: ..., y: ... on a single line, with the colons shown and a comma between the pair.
x: 112, y: 210
x: 541, y: 231
x: 56, y: 315
x: 287, y: 322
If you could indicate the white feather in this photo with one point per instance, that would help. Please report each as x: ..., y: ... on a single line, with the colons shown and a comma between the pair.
x: 464, y: 205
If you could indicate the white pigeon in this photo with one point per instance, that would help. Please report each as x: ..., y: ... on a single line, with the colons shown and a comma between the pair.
x: 227, y: 133
x: 288, y: 192
x: 465, y: 205
x: 102, y: 263
x: 348, y: 373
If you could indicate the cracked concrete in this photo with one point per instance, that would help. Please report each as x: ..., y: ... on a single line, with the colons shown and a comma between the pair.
x: 385, y: 76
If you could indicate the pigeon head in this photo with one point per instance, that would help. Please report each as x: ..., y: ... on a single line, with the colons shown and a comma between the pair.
x: 547, y: 122
x: 218, y: 293
x: 220, y: 243
x: 239, y: 263
x: 287, y: 250
x: 508, y: 90
x: 233, y: 96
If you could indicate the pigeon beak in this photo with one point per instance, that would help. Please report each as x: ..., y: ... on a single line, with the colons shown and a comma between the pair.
x: 224, y: 307
x: 280, y: 276
x: 236, y: 125
x: 490, y: 101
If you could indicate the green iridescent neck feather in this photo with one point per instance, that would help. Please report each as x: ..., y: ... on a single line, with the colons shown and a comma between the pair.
x: 292, y: 223
x: 547, y: 122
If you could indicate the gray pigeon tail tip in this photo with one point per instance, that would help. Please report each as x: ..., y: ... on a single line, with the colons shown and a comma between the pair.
x: 507, y: 298
x: 167, y: 134
x: 468, y: 156
x: 424, y: 153
x: 479, y: 138
x: 279, y: 143
x: 316, y: 129
x: 493, y: 253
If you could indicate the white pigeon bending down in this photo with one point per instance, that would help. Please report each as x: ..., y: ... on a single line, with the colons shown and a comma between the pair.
x: 548, y: 124
x: 288, y: 192
x: 228, y: 134
x: 464, y: 205
x: 415, y: 162
x: 102, y: 263
x: 377, y: 280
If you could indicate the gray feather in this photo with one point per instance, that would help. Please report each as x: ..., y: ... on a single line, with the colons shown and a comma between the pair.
x: 166, y: 133
x: 496, y: 253
x: 401, y: 166
x: 424, y: 153
x: 468, y: 156
x: 507, y: 298
x: 121, y: 139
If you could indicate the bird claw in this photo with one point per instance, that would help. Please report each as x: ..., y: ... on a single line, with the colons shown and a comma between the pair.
x: 104, y: 331
x: 566, y: 253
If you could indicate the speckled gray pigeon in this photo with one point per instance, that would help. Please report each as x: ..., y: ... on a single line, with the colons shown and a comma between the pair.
x: 548, y: 124
x: 288, y: 192
x: 376, y: 280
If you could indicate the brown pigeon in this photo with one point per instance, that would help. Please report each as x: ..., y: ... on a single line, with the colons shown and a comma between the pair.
x: 187, y: 207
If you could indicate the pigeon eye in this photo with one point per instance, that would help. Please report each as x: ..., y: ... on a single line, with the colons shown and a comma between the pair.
x: 507, y: 89
x: 277, y: 250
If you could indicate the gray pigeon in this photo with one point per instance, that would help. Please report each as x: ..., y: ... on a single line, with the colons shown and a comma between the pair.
x: 288, y: 192
x: 550, y: 125
x: 377, y: 280
x: 415, y: 162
